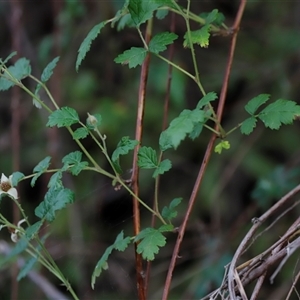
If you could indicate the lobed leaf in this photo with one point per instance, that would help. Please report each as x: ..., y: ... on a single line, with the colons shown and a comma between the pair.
x: 180, y: 127
x: 55, y: 199
x: 159, y: 42
x: 278, y: 113
x: 170, y: 212
x: 40, y: 168
x: 55, y: 181
x: 200, y: 37
x: 123, y: 147
x: 163, y: 167
x: 252, y: 106
x: 147, y: 158
x: 73, y: 162
x: 209, y: 97
x: 48, y: 71
x: 120, y: 244
x: 248, y: 125
x: 80, y: 133
x: 86, y: 44
x: 222, y: 145
x: 65, y: 116
x: 141, y: 10
x: 150, y: 239
x: 20, y: 70
x: 133, y: 57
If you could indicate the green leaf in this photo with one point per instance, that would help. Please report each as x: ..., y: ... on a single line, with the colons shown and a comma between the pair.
x: 86, y: 44
x: 11, y: 55
x: 147, y: 158
x: 252, y: 106
x: 159, y: 42
x: 55, y: 181
x: 278, y: 113
x: 180, y: 127
x: 55, y: 199
x: 101, y: 265
x: 120, y: 244
x: 150, y: 241
x: 163, y: 167
x: 133, y: 57
x: 161, y: 13
x: 248, y: 125
x: 209, y: 97
x: 20, y: 70
x: 141, y: 10
x: 17, y: 177
x: 33, y: 230
x: 213, y: 17
x: 66, y: 116
x: 222, y: 145
x: 200, y: 37
x: 73, y: 162
x: 170, y: 212
x: 40, y: 168
x: 123, y: 147
x: 80, y: 133
x: 48, y: 71
x: 27, y: 267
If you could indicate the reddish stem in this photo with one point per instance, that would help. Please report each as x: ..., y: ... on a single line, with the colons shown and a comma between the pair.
x: 207, y: 155
x: 135, y: 170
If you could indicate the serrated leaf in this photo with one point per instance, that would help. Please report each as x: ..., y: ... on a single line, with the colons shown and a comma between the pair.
x: 133, y: 57
x: 147, y: 158
x: 200, y: 37
x: 17, y: 177
x: 166, y: 228
x: 180, y: 127
x: 101, y: 265
x: 48, y: 71
x: 278, y: 113
x: 209, y: 97
x: 141, y: 10
x: 120, y: 244
x: 66, y: 116
x: 55, y: 181
x: 27, y: 267
x: 248, y: 125
x: 150, y: 239
x: 159, y: 42
x: 170, y: 212
x: 80, y: 133
x: 73, y: 162
x: 222, y: 145
x: 86, y: 44
x: 40, y: 168
x: 163, y: 167
x: 198, y: 127
x: 252, y: 106
x: 55, y: 199
x: 214, y: 17
x: 20, y: 70
x: 123, y: 147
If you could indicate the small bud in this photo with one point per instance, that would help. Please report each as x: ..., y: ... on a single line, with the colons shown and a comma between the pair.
x: 92, y: 120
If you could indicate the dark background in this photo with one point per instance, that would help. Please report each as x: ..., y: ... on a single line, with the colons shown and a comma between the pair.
x: 239, y: 184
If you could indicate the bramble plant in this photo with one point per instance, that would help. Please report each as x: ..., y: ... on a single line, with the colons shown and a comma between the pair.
x: 189, y: 124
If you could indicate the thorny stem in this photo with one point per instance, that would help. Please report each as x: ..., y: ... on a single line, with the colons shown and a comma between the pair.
x: 207, y: 155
